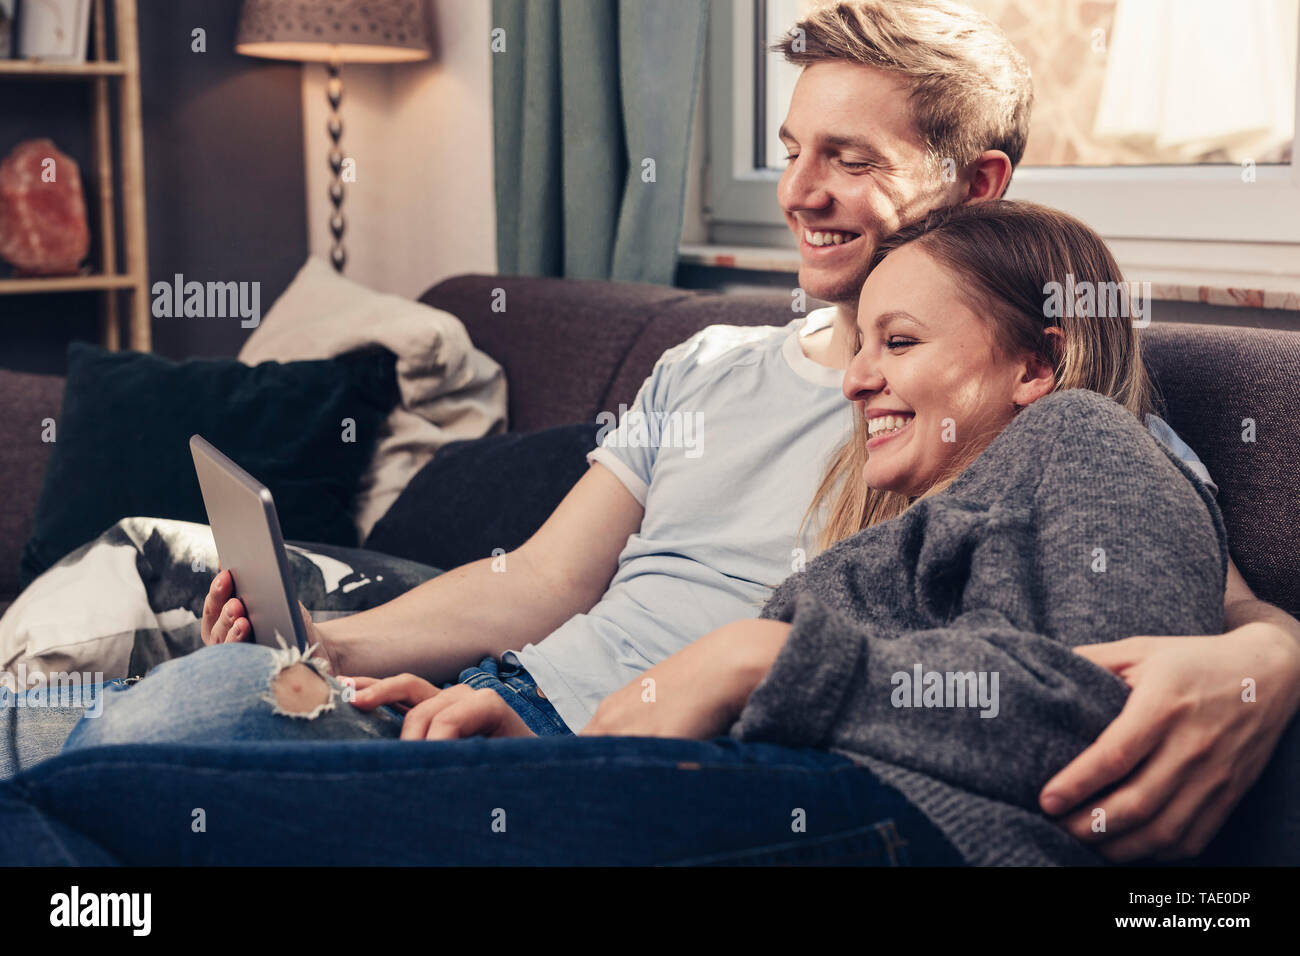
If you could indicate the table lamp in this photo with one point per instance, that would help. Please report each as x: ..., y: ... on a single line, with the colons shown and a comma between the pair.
x: 335, y: 32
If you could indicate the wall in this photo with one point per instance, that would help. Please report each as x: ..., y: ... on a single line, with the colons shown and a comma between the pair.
x: 422, y: 207
x: 223, y: 178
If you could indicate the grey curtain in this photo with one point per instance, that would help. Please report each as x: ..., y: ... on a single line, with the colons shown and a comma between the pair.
x: 584, y: 93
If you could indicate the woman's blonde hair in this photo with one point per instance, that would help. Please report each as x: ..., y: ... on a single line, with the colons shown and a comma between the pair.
x: 1008, y: 255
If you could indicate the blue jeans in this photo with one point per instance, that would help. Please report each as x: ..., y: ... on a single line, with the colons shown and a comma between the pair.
x: 223, y: 691
x: 198, y: 763
x: 562, y: 800
x: 512, y: 681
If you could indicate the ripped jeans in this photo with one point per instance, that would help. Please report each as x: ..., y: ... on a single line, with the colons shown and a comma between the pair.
x: 223, y: 694
x: 228, y: 693
x: 568, y: 800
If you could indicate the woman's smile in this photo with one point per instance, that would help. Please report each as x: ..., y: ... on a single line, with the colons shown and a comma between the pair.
x: 879, y: 439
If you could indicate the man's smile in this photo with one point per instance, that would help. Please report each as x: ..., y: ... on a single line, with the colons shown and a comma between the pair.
x: 826, y: 242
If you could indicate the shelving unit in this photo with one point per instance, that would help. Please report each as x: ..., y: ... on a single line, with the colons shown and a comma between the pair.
x: 40, y: 69
x: 120, y: 74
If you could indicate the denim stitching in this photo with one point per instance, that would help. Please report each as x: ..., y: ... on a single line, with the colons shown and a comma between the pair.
x: 797, y: 847
x: 307, y: 775
x: 537, y: 717
x: 526, y: 688
x: 893, y: 841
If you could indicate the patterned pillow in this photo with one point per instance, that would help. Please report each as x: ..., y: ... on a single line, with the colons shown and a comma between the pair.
x: 133, y: 597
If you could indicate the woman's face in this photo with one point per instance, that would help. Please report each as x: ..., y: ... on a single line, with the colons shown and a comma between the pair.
x: 927, y: 377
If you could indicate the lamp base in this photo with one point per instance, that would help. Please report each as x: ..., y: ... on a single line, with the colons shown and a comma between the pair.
x: 334, y: 93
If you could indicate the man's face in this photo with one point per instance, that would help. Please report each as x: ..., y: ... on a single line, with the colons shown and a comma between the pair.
x: 857, y: 170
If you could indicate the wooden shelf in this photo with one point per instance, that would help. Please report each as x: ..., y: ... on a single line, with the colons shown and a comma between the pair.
x: 54, y: 70
x: 37, y: 284
x: 113, y: 75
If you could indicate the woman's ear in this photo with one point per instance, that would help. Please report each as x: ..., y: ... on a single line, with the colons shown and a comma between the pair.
x: 1038, y: 377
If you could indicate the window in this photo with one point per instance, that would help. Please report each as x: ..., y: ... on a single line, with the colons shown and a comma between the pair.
x: 1156, y: 119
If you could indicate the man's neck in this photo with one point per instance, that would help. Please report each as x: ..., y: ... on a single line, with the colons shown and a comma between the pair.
x: 831, y: 346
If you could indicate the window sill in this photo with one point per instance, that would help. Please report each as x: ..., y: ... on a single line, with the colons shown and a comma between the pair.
x: 1254, y: 274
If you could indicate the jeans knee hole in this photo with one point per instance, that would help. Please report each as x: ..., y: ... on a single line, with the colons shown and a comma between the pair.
x: 299, y: 687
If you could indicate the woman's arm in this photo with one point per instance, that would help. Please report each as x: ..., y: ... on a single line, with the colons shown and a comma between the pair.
x: 1089, y: 533
x: 699, y: 691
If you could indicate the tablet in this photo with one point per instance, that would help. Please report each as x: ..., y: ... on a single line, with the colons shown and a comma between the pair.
x: 249, y: 545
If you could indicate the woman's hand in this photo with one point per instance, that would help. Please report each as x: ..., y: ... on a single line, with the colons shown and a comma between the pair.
x: 697, y: 692
x: 1200, y: 739
x: 433, y: 714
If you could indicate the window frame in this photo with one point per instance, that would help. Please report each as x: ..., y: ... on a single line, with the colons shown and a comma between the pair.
x: 1201, y: 203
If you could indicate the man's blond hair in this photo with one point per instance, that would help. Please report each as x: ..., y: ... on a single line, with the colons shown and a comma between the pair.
x: 970, y: 88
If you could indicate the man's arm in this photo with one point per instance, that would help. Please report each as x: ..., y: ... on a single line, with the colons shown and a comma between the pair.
x: 458, y: 618
x: 1241, y: 607
x: 1200, y: 739
x: 480, y: 609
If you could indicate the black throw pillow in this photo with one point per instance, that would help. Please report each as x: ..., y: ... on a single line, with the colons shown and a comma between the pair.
x: 122, y: 442
x: 477, y: 496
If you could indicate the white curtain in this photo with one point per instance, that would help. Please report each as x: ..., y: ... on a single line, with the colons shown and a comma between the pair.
x: 1188, y: 77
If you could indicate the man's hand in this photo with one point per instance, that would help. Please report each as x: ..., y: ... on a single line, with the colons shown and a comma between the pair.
x: 226, y: 622
x: 1188, y: 744
x: 699, y: 691
x: 451, y: 714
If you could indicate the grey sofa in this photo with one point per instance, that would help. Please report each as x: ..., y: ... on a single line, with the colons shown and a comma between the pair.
x: 572, y: 348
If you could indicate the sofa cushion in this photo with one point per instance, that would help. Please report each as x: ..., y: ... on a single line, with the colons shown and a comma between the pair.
x: 559, y: 340
x: 123, y: 434
x: 1232, y: 395
x: 678, y: 321
x: 28, y: 401
x: 450, y: 390
x: 477, y: 498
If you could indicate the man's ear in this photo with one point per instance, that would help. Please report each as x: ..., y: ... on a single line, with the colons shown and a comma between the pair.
x: 987, y: 176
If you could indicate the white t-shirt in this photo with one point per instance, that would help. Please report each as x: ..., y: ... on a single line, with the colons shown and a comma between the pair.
x: 724, y: 447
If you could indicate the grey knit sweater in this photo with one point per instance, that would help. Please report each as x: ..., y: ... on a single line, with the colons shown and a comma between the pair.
x: 1074, y: 527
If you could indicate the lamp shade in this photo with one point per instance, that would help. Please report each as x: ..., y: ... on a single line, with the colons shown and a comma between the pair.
x: 355, y: 31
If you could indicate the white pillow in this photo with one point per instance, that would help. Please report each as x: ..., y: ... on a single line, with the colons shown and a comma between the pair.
x: 450, y: 390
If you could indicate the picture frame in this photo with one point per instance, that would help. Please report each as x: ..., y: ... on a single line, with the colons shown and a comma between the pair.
x: 54, y: 30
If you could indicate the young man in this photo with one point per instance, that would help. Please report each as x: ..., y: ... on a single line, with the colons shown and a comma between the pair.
x: 903, y: 106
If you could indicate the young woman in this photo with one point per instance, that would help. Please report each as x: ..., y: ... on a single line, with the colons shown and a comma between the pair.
x: 902, y: 700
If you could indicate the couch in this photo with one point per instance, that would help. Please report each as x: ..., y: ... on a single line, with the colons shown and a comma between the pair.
x: 572, y: 348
